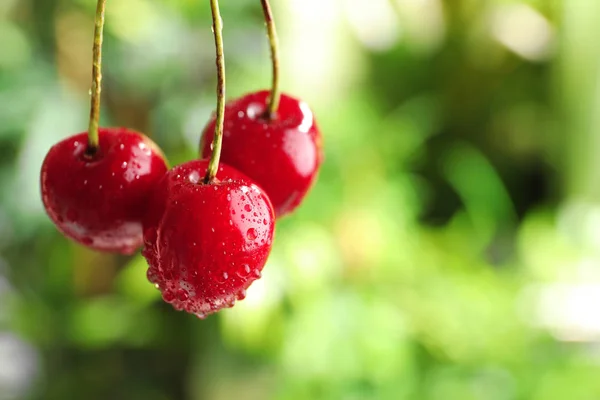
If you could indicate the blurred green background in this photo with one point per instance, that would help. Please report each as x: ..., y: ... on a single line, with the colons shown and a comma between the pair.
x: 450, y: 250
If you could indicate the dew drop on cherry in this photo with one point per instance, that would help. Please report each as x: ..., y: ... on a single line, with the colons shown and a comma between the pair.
x: 182, y: 295
x: 168, y: 296
x: 194, y: 177
x: 251, y: 234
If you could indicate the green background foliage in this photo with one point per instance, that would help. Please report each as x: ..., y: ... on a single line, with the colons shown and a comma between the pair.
x: 449, y: 250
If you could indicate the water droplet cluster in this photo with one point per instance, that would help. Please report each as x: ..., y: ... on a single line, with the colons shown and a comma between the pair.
x: 210, y: 241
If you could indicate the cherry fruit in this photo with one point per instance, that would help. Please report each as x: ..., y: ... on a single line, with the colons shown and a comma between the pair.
x: 281, y: 154
x: 99, y: 199
x: 205, y: 243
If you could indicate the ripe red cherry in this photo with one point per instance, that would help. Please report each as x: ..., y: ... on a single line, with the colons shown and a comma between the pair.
x: 206, y: 243
x: 282, y: 154
x: 99, y: 200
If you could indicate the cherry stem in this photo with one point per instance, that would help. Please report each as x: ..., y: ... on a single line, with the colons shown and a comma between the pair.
x: 213, y: 164
x: 274, y: 45
x: 96, y: 79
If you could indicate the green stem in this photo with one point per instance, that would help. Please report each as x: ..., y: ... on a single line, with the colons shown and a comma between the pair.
x: 213, y: 164
x: 96, y: 78
x: 274, y: 45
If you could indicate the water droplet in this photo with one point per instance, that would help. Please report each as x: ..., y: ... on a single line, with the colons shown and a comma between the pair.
x: 265, y: 221
x: 248, y: 207
x: 121, y: 146
x: 182, y: 295
x: 228, y: 197
x: 256, y: 273
x: 124, y: 165
x: 194, y: 177
x: 152, y: 277
x: 85, y: 182
x: 201, y: 315
x: 241, y: 295
x: 213, y: 230
x: 225, y: 275
x: 231, y: 222
x: 241, y: 114
x: 251, y: 234
x: 168, y: 296
x: 244, y: 272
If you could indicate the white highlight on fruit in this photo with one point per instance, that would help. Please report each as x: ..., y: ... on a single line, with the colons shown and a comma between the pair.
x: 308, y: 119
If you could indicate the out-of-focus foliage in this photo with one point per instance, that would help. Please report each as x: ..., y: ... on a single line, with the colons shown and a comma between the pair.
x: 448, y: 252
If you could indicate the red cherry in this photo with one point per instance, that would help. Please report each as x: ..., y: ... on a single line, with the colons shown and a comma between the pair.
x: 99, y: 200
x: 206, y: 243
x: 282, y: 154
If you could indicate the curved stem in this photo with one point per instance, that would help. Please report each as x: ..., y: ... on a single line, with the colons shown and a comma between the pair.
x: 274, y: 45
x: 213, y: 164
x: 96, y: 78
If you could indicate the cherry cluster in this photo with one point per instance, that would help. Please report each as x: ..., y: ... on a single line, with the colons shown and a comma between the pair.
x: 206, y: 226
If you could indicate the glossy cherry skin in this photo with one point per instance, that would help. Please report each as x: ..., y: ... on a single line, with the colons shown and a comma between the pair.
x: 206, y: 243
x: 100, y: 200
x: 282, y: 155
